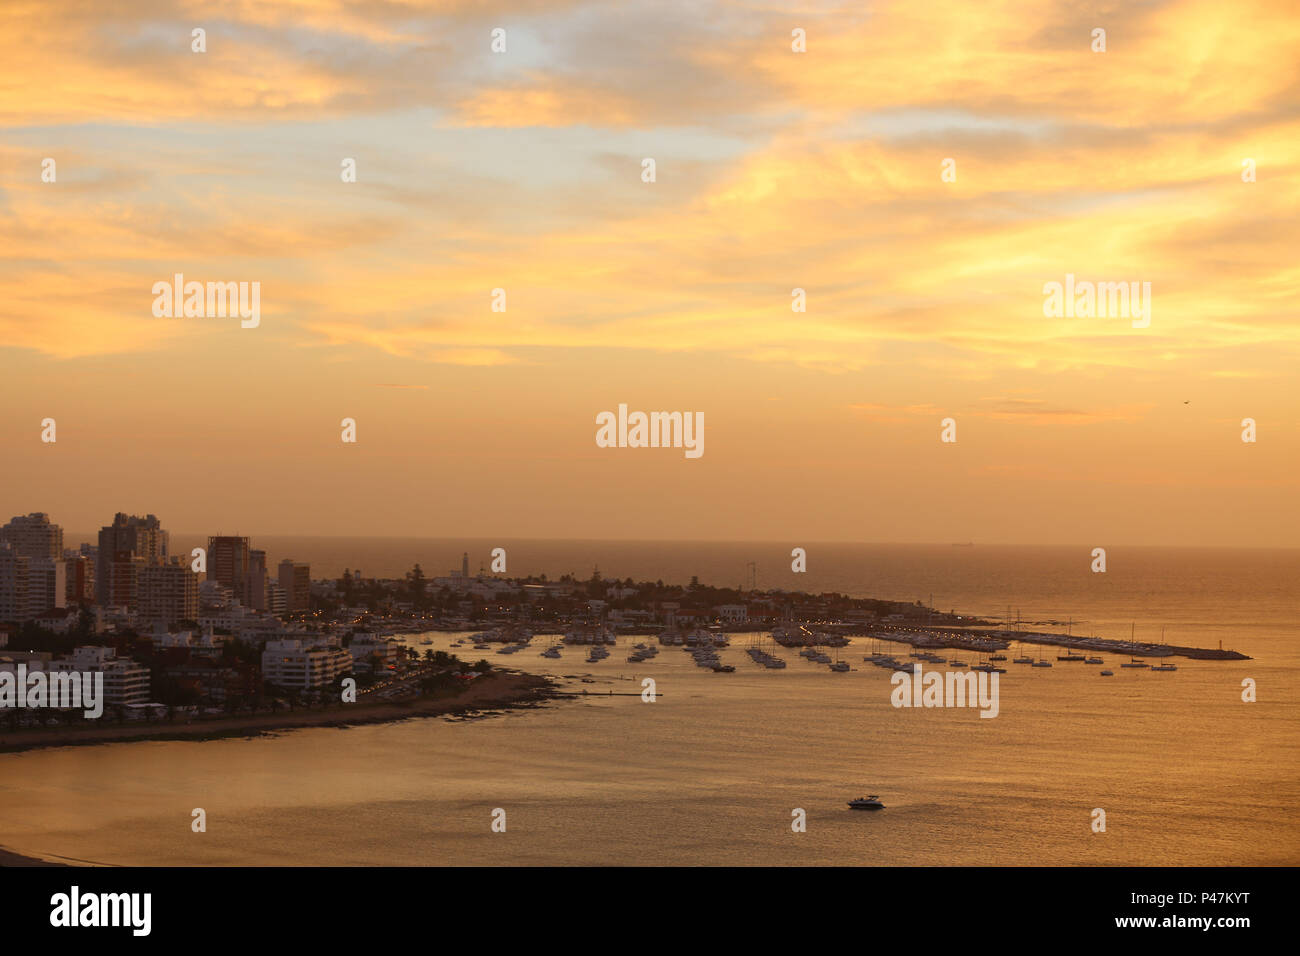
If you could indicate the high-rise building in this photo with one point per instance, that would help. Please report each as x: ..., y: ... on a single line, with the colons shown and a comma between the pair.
x: 295, y: 580
x: 122, y: 587
x: 228, y: 564
x: 13, y: 585
x: 33, y: 536
x: 81, y: 577
x: 168, y: 593
x: 255, y: 585
x: 47, y: 585
x: 126, y: 538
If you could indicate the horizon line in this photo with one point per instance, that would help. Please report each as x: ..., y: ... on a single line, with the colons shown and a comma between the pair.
x: 735, y: 541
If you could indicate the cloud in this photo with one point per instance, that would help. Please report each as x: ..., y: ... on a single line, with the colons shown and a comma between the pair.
x: 521, y: 171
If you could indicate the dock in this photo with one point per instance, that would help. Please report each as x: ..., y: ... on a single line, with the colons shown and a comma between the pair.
x: 987, y: 640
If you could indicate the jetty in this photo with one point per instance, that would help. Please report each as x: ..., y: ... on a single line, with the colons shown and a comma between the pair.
x: 987, y: 640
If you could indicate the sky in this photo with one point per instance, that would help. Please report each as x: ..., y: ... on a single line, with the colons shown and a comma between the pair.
x: 775, y: 170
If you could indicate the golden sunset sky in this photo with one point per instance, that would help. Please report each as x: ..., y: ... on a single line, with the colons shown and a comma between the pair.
x: 775, y: 170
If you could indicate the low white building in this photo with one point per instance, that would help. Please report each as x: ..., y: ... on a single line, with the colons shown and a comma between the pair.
x: 205, y: 644
x: 733, y: 613
x: 32, y: 660
x: 635, y: 616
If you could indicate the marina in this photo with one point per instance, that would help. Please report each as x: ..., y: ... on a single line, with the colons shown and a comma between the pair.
x: 704, y: 648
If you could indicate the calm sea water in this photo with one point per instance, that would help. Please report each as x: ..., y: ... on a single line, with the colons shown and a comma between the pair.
x: 1186, y: 772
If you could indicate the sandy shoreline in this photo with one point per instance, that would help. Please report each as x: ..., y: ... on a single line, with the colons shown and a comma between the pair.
x: 498, y: 690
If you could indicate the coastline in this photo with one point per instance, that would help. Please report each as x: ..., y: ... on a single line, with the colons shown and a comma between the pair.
x: 499, y: 690
x: 9, y: 858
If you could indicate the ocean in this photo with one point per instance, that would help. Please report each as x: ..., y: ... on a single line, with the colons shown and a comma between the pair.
x: 1185, y: 771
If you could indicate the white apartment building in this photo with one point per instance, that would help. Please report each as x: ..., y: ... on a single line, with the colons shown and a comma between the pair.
x: 276, y: 602
x: 125, y: 681
x: 299, y: 665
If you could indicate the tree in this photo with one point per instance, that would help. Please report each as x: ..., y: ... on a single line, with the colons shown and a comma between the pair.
x: 417, y: 581
x: 85, y: 625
